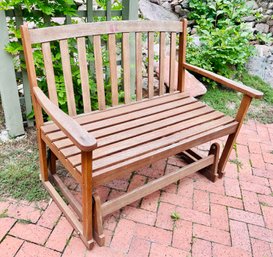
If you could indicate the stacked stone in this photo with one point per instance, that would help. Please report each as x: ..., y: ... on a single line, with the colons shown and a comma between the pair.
x: 180, y: 7
x: 264, y: 24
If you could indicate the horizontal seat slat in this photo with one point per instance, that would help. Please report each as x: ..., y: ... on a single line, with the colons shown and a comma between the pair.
x: 148, y: 137
x: 134, y: 133
x: 153, y: 145
x: 108, y: 174
x: 109, y: 131
x: 125, y: 117
x: 115, y: 111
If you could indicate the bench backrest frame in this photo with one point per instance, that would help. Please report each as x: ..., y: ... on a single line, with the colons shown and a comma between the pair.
x: 45, y: 36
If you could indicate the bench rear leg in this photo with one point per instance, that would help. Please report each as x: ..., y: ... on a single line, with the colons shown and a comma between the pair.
x: 211, y: 172
x: 42, y: 157
x: 97, y: 221
x: 51, y: 162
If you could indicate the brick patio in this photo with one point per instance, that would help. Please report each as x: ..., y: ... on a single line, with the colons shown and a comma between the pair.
x: 233, y: 217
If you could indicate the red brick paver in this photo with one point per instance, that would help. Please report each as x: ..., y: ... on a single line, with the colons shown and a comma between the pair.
x: 232, y: 217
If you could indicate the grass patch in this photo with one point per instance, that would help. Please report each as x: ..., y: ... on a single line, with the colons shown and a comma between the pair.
x: 19, y: 170
x: 175, y: 216
x: 2, y: 119
x: 237, y: 162
x: 22, y: 221
x: 4, y: 214
x: 228, y: 101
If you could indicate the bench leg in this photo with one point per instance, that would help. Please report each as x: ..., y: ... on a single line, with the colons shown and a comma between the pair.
x: 232, y: 138
x: 51, y: 162
x: 42, y: 157
x: 87, y: 199
x: 97, y: 221
x: 211, y: 172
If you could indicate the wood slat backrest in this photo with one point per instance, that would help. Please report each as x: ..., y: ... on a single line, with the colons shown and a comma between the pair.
x: 84, y: 74
x: 99, y: 71
x: 147, y: 34
x: 68, y: 77
x: 113, y: 68
x: 126, y: 66
x: 49, y: 73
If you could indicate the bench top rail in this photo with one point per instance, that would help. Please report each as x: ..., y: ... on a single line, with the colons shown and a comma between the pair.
x: 100, y: 28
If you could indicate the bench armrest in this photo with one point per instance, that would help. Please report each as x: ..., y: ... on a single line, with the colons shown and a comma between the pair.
x: 225, y: 81
x: 80, y: 137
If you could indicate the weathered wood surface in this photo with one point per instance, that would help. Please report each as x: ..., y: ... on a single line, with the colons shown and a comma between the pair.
x: 99, y: 146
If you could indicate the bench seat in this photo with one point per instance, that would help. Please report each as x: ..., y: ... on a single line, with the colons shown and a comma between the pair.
x: 141, y: 133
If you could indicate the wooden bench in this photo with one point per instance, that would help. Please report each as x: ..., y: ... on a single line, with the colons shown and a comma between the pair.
x: 99, y: 146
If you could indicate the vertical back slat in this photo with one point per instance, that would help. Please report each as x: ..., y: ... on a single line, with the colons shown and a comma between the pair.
x: 151, y: 64
x: 84, y: 74
x: 68, y: 77
x: 162, y: 56
x: 138, y: 66
x: 182, y: 57
x: 113, y: 68
x: 99, y: 71
x: 126, y: 66
x: 50, y: 77
x: 172, y: 62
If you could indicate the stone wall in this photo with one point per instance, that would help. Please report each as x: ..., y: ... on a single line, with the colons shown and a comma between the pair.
x: 264, y: 24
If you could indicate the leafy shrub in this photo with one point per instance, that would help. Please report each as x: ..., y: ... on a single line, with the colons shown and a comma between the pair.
x: 224, y: 38
x: 40, y: 13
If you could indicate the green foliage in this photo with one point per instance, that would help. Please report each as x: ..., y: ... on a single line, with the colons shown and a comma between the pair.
x: 40, y: 13
x: 228, y: 101
x: 224, y: 39
x: 66, y: 7
x: 116, y: 4
x: 257, y: 83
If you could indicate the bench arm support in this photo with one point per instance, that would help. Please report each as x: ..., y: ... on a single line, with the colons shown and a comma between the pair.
x: 253, y: 93
x: 80, y: 137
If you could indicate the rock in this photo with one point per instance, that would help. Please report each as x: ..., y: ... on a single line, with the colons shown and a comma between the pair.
x: 185, y: 4
x: 196, y: 40
x: 249, y: 18
x: 261, y: 27
x: 180, y: 11
x: 145, y: 87
x: 270, y: 6
x: 264, y: 18
x: 270, y: 22
x: 156, y: 2
x: 252, y: 5
x: 155, y: 12
x: 250, y: 26
x: 262, y: 64
x: 4, y: 136
x: 193, y: 85
x: 167, y: 6
x: 269, y: 12
x: 264, y: 51
x: 193, y: 31
x: 264, y: 5
x: 82, y: 7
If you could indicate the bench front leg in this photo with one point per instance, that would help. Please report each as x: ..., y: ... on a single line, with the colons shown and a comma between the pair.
x: 87, y: 198
x: 246, y: 101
